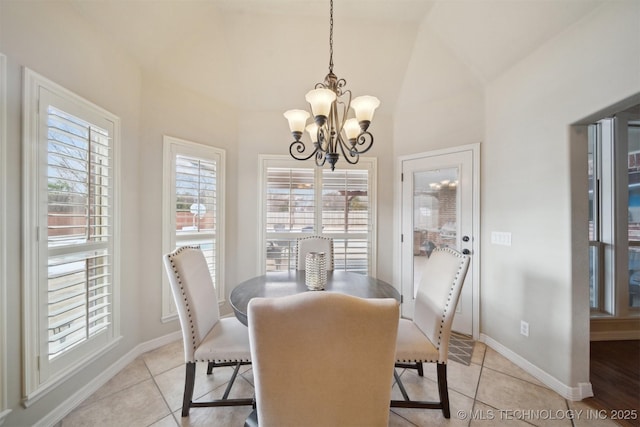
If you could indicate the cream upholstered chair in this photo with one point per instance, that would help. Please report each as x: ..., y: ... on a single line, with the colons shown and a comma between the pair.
x: 299, y: 345
x: 206, y: 337
x: 304, y: 245
x: 425, y: 339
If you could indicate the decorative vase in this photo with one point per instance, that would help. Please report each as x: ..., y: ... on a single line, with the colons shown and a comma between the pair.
x: 316, y: 271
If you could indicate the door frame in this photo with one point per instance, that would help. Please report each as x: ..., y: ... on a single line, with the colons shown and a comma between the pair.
x: 475, y: 251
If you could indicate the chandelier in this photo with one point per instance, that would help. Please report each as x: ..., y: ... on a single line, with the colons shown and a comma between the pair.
x: 330, y: 128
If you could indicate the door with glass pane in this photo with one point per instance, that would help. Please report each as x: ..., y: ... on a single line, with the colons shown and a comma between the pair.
x: 438, y: 211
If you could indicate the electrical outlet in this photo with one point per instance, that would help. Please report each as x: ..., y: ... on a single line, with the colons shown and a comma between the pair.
x: 524, y: 328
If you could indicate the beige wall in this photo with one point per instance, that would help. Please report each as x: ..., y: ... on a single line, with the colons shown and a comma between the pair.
x: 527, y: 188
x: 81, y: 61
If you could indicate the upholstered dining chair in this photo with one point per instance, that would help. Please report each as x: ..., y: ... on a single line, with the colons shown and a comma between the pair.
x: 206, y: 336
x: 299, y: 345
x: 304, y: 245
x: 425, y: 339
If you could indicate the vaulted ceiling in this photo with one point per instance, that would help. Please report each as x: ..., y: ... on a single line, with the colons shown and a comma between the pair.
x: 266, y: 54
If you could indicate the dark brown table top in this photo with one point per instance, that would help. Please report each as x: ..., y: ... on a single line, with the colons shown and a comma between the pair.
x: 283, y: 283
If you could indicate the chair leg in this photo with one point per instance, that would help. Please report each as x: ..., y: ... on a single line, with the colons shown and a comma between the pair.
x: 417, y: 366
x: 189, y: 382
x: 443, y: 389
x: 443, y: 404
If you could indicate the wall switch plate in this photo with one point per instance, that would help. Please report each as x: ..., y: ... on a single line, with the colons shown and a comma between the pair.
x: 501, y: 238
x: 524, y: 328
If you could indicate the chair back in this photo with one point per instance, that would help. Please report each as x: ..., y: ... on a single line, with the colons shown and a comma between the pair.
x: 194, y: 295
x: 437, y: 296
x: 304, y: 245
x: 323, y: 359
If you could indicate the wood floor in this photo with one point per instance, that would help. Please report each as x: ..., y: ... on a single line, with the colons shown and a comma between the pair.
x: 615, y: 378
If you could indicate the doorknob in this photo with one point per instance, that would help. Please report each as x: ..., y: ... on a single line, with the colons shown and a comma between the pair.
x: 465, y: 238
x: 466, y: 252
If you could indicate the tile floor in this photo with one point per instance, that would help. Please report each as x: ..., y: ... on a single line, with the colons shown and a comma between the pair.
x: 490, y: 391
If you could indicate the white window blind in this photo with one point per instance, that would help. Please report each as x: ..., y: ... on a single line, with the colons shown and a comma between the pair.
x: 196, y: 206
x: 302, y: 201
x: 78, y: 230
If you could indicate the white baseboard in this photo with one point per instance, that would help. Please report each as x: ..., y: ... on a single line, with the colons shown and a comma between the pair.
x: 62, y: 410
x: 581, y: 391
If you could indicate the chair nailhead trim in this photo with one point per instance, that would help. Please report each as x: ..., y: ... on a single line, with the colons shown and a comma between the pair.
x: 182, y: 290
x: 455, y: 279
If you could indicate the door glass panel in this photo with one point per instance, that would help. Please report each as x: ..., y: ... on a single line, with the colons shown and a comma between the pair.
x: 594, y: 231
x: 435, y: 214
x: 634, y: 213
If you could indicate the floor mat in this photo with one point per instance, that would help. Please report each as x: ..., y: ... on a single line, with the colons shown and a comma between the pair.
x: 461, y: 348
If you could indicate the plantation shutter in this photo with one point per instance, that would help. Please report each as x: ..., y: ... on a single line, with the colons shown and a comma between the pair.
x: 196, y: 206
x: 79, y: 230
x: 300, y: 202
x: 345, y: 216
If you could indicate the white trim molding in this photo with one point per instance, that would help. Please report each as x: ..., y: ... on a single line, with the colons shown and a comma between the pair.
x: 579, y: 392
x: 3, y: 238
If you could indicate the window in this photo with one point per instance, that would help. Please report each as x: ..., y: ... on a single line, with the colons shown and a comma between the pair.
x: 300, y: 199
x: 193, y: 205
x: 70, y: 232
x: 614, y: 215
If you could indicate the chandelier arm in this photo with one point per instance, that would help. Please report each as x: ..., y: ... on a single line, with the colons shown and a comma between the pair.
x: 321, y: 158
x: 348, y: 153
x: 364, y: 139
x: 323, y: 143
x: 300, y: 148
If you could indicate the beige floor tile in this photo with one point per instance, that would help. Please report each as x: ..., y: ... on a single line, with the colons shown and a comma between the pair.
x: 485, y: 415
x: 132, y: 374
x: 520, y: 399
x: 396, y: 420
x: 165, y: 358
x: 460, y: 377
x: 139, y: 405
x: 498, y: 362
x: 479, y: 350
x: 168, y: 421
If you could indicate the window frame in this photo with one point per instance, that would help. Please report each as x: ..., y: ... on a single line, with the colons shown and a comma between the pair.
x: 39, y: 373
x: 173, y: 147
x: 3, y: 238
x: 283, y: 161
x: 611, y: 240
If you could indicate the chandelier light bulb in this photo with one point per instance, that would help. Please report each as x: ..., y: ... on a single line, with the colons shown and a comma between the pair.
x: 312, y: 129
x: 351, y: 129
x: 364, y: 107
x: 320, y: 100
x: 297, y: 120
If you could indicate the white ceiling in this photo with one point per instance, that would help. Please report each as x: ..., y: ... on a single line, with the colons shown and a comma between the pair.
x: 266, y: 54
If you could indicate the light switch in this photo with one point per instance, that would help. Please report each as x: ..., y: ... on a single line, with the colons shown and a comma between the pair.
x: 501, y: 238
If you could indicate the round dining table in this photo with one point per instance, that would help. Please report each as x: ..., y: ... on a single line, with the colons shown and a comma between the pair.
x: 291, y: 282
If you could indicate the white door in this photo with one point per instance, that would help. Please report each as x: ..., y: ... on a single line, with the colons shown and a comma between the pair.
x: 440, y: 209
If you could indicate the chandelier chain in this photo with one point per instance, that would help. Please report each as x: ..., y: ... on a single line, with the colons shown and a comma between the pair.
x: 331, y: 37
